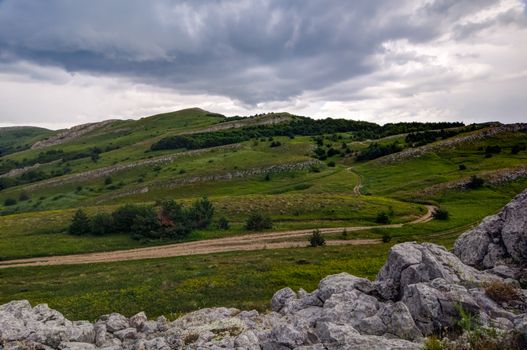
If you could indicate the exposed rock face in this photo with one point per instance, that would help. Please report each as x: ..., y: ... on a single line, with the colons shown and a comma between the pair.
x: 417, y: 293
x: 500, y: 239
x: 70, y: 134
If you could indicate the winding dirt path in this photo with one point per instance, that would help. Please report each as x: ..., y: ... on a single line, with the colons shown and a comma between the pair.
x: 255, y: 241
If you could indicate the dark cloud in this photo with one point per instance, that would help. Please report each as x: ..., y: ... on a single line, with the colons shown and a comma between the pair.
x: 250, y: 51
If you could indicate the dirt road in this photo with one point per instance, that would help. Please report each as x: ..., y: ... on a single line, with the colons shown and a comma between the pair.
x: 255, y: 241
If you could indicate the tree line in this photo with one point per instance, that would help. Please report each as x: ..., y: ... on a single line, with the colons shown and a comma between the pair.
x: 299, y: 126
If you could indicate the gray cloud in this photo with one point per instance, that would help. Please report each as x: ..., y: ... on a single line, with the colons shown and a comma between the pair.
x: 249, y: 51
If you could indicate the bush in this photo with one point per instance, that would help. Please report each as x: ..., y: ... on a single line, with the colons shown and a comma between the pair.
x: 23, y: 196
x: 102, y: 224
x: 223, y: 223
x: 462, y: 167
x: 174, y: 220
x: 382, y: 218
x: 258, y: 221
x: 9, y: 202
x: 331, y: 164
x: 441, y: 214
x: 502, y: 292
x: 80, y: 224
x: 108, y: 180
x: 492, y: 149
x: 316, y: 239
x: 475, y: 182
x: 432, y: 343
x: 276, y: 144
x: 386, y: 238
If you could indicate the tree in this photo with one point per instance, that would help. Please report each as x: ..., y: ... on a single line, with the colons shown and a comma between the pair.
x: 258, y: 221
x: 175, y: 221
x: 80, y: 224
x: 123, y: 217
x: 201, y: 213
x: 146, y: 225
x: 102, y: 224
x: 316, y: 239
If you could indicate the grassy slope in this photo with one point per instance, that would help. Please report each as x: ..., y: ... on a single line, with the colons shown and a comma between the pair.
x: 244, y: 279
x: 13, y: 139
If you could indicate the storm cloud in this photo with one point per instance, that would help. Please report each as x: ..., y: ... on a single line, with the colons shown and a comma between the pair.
x: 377, y: 60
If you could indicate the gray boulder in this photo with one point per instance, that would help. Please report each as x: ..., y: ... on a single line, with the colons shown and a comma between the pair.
x: 498, y: 239
x: 410, y: 263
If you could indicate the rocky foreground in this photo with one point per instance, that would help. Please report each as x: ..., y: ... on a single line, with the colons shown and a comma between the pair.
x: 422, y: 290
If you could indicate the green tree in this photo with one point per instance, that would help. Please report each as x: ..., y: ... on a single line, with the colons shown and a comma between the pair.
x: 201, y: 213
x: 146, y: 225
x: 123, y: 217
x: 80, y: 224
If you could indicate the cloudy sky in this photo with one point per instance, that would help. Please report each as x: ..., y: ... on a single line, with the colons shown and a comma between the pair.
x: 65, y: 62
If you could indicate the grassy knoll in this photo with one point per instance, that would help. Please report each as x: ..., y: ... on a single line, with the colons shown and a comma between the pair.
x: 175, y: 285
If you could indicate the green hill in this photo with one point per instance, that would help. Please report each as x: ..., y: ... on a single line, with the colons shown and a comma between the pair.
x: 302, y: 173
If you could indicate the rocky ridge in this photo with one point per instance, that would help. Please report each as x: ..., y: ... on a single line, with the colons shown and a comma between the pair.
x: 422, y: 290
x: 70, y: 134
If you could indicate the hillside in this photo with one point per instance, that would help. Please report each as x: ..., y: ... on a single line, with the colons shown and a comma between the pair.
x: 18, y: 138
x: 365, y: 186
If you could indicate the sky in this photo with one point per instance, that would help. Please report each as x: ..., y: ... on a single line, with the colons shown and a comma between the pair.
x: 67, y: 62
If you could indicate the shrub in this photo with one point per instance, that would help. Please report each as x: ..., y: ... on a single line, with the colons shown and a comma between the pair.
x: 332, y: 152
x: 223, y: 223
x: 23, y: 196
x: 432, y: 343
x: 441, y: 214
x: 102, y: 224
x: 9, y: 202
x: 276, y: 144
x: 492, y: 149
x: 501, y: 291
x: 462, y: 167
x: 331, y: 164
x: 475, y: 182
x: 80, y: 224
x: 386, y: 238
x: 316, y: 239
x: 258, y: 221
x: 108, y: 180
x: 382, y: 218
